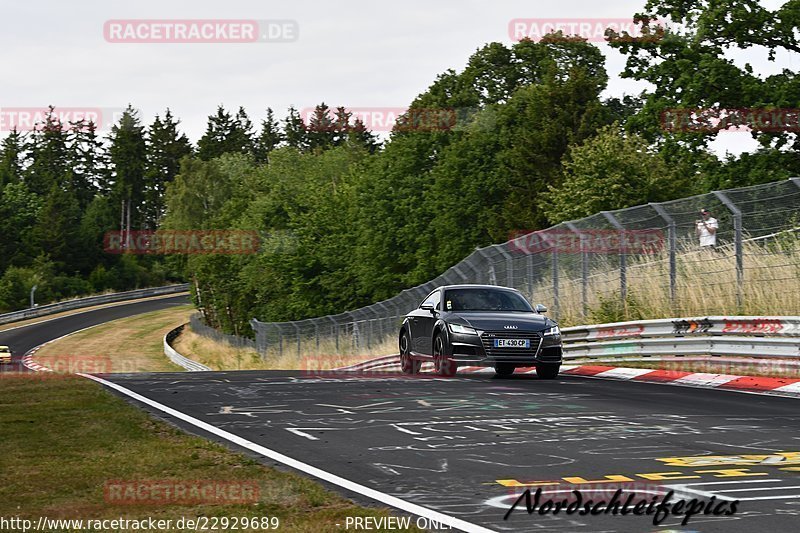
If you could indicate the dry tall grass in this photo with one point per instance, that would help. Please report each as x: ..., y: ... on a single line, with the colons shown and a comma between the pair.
x: 222, y: 356
x: 706, y: 285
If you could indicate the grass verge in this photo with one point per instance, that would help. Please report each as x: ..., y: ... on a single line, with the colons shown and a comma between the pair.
x: 222, y: 356
x: 132, y: 344
x: 64, y: 438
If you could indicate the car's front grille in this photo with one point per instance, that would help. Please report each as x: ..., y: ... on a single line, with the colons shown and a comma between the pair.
x: 488, y: 337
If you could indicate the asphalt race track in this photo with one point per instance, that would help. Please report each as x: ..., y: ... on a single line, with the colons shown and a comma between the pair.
x: 22, y: 339
x: 468, y: 446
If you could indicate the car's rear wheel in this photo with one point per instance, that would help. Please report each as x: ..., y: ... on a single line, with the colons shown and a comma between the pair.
x: 547, y: 371
x: 504, y: 369
x: 443, y: 365
x: 408, y: 365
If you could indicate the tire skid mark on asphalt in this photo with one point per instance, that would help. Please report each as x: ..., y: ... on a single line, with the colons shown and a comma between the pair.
x: 357, y: 488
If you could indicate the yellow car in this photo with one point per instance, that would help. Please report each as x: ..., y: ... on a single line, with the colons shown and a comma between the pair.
x: 5, y: 354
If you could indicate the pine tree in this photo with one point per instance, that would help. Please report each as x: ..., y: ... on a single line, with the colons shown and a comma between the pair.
x: 269, y: 139
x: 11, y: 153
x: 359, y: 135
x: 242, y: 139
x: 321, y: 128
x: 128, y: 152
x: 341, y: 126
x: 226, y: 134
x: 87, y: 161
x: 19, y: 210
x: 48, y: 156
x: 57, y: 230
x: 166, y: 146
x: 212, y: 143
x: 295, y: 130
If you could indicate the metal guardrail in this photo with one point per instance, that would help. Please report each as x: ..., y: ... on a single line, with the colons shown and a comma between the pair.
x: 176, y: 357
x: 737, y: 336
x: 78, y: 303
x: 774, y: 336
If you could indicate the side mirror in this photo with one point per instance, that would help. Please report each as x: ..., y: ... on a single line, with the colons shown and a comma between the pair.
x: 427, y: 307
x: 541, y: 309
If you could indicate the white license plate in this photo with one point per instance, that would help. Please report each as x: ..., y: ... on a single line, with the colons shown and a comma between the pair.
x: 512, y: 343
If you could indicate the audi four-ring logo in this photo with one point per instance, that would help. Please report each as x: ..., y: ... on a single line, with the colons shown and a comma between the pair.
x: 509, y: 327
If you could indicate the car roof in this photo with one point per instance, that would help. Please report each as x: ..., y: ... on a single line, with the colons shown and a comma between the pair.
x: 476, y: 286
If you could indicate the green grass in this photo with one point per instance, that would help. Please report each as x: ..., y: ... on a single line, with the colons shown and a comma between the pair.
x: 63, y: 437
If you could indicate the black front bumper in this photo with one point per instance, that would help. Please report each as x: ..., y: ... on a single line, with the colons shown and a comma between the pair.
x: 479, y: 349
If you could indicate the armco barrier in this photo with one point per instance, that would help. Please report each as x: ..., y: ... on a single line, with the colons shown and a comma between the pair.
x: 712, y: 335
x: 177, y: 358
x: 737, y: 336
x: 78, y: 303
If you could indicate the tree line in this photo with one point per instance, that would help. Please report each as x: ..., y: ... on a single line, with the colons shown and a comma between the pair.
x: 346, y: 220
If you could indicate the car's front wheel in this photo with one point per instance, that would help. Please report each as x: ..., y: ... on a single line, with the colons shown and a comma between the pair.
x: 504, y: 369
x: 443, y: 365
x: 408, y: 365
x: 547, y: 371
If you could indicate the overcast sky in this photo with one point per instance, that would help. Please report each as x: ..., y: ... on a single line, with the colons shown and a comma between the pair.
x: 354, y: 53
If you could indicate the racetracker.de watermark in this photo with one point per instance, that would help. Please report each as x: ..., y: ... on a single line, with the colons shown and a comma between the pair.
x: 743, y: 119
x: 181, y: 492
x: 24, y: 119
x: 387, y: 119
x: 601, y: 241
x: 182, y: 242
x: 591, y: 29
x: 200, y: 31
x: 62, y: 365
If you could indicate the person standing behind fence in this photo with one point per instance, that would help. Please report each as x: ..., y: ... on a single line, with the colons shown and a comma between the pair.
x: 706, y: 229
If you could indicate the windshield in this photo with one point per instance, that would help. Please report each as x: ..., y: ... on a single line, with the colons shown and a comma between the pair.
x: 485, y: 300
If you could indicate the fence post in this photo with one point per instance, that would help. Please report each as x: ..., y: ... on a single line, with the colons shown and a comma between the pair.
x: 354, y: 339
x: 529, y: 261
x: 476, y: 270
x: 492, y: 276
x: 556, y: 299
x: 623, y: 271
x: 509, y: 265
x: 261, y: 338
x: 737, y: 243
x: 460, y: 272
x: 584, y: 269
x: 382, y: 322
x: 316, y: 334
x: 297, y: 333
x: 335, y: 331
x: 673, y: 240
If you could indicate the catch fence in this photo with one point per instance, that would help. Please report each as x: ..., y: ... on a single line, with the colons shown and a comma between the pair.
x: 632, y: 263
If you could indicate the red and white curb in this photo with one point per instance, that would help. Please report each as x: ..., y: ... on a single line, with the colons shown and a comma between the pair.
x: 752, y: 384
x: 27, y: 361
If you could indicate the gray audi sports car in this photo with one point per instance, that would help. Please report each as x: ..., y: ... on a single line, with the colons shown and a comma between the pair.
x: 479, y: 325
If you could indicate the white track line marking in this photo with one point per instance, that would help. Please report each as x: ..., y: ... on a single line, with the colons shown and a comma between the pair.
x: 373, y: 494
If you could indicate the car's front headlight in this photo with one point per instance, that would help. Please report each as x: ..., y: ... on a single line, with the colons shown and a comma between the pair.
x: 458, y: 328
x: 552, y: 331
